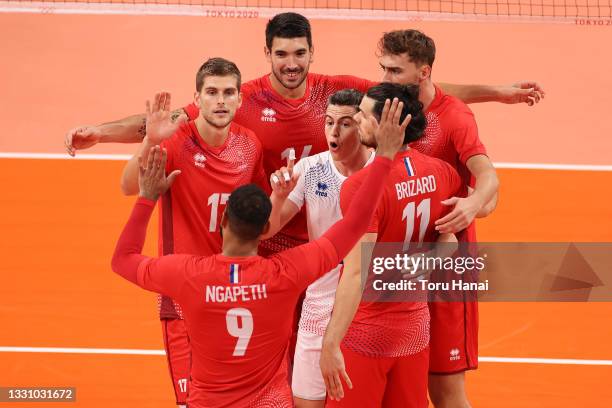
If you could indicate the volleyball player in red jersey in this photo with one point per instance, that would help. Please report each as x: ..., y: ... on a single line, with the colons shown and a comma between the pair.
x: 451, y: 135
x: 245, y: 299
x: 407, y: 56
x: 214, y: 156
x: 386, y: 344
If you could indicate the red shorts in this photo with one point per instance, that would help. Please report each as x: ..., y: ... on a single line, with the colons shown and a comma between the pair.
x: 387, y: 382
x: 454, y: 337
x: 178, y: 353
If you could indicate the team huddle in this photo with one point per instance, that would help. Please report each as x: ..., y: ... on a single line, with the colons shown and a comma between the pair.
x: 268, y: 189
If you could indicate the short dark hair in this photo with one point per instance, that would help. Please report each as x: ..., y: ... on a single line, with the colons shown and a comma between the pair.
x: 247, y: 211
x: 409, y: 94
x: 217, y: 67
x: 420, y: 48
x: 346, y: 97
x: 288, y: 25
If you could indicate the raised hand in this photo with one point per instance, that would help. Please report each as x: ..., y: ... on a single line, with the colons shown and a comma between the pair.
x: 152, y: 179
x: 80, y: 138
x: 160, y: 121
x: 283, y: 180
x: 390, y: 133
x: 529, y: 92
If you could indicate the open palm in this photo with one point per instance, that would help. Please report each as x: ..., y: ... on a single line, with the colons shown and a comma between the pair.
x: 159, y: 119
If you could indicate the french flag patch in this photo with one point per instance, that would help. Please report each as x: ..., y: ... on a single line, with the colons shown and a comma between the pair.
x: 409, y: 168
x: 234, y: 273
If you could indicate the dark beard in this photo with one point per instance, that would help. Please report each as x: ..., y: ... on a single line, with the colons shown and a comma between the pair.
x: 294, y: 87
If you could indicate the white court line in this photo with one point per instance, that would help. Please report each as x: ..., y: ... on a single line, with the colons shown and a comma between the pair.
x: 232, y: 13
x: 552, y: 166
x: 527, y: 360
x: 140, y: 352
x: 500, y: 165
x: 72, y: 350
x: 63, y: 156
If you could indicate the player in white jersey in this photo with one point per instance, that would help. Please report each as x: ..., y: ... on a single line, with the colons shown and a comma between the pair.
x: 315, y: 182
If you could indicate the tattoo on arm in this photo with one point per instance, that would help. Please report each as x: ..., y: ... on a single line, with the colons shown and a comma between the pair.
x: 175, y: 114
x: 142, y: 131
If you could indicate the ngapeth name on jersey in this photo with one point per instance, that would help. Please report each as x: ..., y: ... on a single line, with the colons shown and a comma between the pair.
x: 235, y: 293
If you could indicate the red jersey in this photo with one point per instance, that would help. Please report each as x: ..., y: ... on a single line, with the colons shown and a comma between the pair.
x: 191, y: 210
x: 451, y: 135
x: 281, y: 124
x: 231, y: 308
x: 407, y: 211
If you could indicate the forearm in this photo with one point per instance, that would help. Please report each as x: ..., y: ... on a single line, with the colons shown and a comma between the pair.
x: 127, y: 256
x: 485, y: 188
x: 129, y: 178
x: 472, y: 93
x: 489, y: 207
x: 348, y: 297
x: 127, y: 130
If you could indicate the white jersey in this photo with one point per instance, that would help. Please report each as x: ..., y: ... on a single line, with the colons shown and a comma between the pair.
x: 318, y: 187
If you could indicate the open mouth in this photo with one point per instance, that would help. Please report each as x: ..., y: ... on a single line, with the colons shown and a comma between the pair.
x: 333, y: 146
x: 292, y: 75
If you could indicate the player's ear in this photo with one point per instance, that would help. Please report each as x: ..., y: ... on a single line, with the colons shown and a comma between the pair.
x: 239, y: 99
x: 424, y: 72
x: 311, y: 54
x: 268, y: 54
x: 196, y: 99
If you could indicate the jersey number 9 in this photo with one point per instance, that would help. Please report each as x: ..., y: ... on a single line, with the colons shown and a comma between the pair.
x: 242, y: 330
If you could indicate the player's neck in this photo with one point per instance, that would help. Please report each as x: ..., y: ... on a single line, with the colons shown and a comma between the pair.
x: 287, y: 93
x: 354, y: 163
x: 234, y: 247
x: 427, y: 93
x: 212, y: 136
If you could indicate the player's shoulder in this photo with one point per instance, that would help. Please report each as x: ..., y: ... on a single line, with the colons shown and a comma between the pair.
x: 184, y: 131
x: 338, y: 82
x: 254, y: 85
x: 433, y: 165
x: 424, y: 159
x: 315, y: 161
x: 453, y: 108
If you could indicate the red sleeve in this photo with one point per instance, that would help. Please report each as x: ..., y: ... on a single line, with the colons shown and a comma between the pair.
x: 164, y: 275
x: 192, y: 111
x: 465, y: 136
x: 347, y: 193
x: 349, y: 81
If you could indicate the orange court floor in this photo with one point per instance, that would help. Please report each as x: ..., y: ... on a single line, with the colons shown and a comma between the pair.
x: 61, y: 216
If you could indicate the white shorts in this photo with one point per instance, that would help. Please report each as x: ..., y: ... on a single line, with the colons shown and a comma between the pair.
x: 307, y: 382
